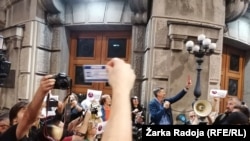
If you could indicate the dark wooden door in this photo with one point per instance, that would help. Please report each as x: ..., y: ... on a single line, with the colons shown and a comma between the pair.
x: 88, y: 48
x: 232, y: 74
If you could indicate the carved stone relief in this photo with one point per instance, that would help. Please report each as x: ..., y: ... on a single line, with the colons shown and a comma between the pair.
x: 55, y: 9
x: 235, y: 9
x: 140, y: 11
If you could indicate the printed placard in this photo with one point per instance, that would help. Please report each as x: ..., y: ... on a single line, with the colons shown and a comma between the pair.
x: 93, y: 95
x: 218, y: 93
x: 95, y: 73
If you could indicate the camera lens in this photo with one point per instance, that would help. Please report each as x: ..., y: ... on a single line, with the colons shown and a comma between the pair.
x: 62, y: 81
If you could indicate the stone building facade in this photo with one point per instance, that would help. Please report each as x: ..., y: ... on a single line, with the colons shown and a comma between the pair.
x: 36, y: 34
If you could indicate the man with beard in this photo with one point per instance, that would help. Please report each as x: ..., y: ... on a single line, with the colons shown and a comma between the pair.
x: 232, y: 101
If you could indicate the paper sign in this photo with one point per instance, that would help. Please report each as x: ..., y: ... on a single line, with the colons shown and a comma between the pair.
x: 95, y: 73
x: 100, y: 127
x: 93, y: 95
x: 218, y: 93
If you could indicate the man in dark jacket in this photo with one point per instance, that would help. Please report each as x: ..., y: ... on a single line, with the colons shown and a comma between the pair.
x: 159, y: 107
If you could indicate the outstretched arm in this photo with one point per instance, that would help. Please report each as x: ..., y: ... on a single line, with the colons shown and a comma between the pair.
x: 121, y: 78
x: 181, y: 93
x: 32, y: 113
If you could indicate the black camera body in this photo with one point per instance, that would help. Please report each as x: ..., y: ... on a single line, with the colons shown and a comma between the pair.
x: 94, y: 110
x: 63, y: 81
x: 4, y: 67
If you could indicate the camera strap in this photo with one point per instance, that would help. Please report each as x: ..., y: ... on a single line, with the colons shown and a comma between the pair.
x: 45, y: 131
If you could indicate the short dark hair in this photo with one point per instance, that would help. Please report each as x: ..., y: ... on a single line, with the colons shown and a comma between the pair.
x: 243, y: 109
x: 236, y: 118
x: 156, y: 90
x: 103, y: 98
x: 15, y: 109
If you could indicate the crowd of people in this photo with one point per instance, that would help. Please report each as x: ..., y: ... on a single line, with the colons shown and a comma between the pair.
x: 73, y: 122
x: 116, y: 118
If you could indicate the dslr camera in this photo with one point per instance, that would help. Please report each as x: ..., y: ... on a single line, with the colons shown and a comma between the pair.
x: 4, y: 67
x: 63, y: 81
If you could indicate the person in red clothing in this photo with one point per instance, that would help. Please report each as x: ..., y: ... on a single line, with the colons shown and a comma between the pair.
x: 106, y: 105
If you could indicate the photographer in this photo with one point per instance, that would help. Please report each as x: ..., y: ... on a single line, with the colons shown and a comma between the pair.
x: 138, y: 117
x: 27, y: 115
x: 75, y: 107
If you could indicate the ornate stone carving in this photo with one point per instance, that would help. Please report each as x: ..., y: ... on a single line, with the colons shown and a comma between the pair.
x: 55, y: 9
x: 140, y: 11
x: 235, y: 9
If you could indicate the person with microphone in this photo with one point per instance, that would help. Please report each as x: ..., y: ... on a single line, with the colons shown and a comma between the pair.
x: 160, y: 107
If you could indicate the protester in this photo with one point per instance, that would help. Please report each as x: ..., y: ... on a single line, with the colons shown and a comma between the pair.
x: 138, y: 113
x: 105, y: 102
x: 193, y: 118
x: 121, y: 78
x: 232, y: 101
x: 24, y: 117
x: 4, y: 121
x: 160, y: 107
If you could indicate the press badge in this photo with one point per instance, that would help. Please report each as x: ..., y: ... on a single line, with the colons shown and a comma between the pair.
x: 95, y: 73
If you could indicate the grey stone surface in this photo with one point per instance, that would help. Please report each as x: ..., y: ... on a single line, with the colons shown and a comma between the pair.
x: 42, y: 61
x: 138, y: 64
x: 44, y: 36
x: 160, y: 30
x: 96, y: 12
x: 246, y: 96
x: 23, y: 86
x: 194, y: 10
x: 25, y: 59
x: 146, y: 65
x: 139, y: 38
x: 117, y: 7
x: 28, y: 36
x: 80, y: 12
x: 214, y: 69
x: 21, y: 10
x: 161, y: 63
x: 85, y: 12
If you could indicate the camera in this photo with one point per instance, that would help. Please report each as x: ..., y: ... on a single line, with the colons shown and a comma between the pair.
x: 62, y: 81
x: 4, y: 67
x: 94, y: 110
